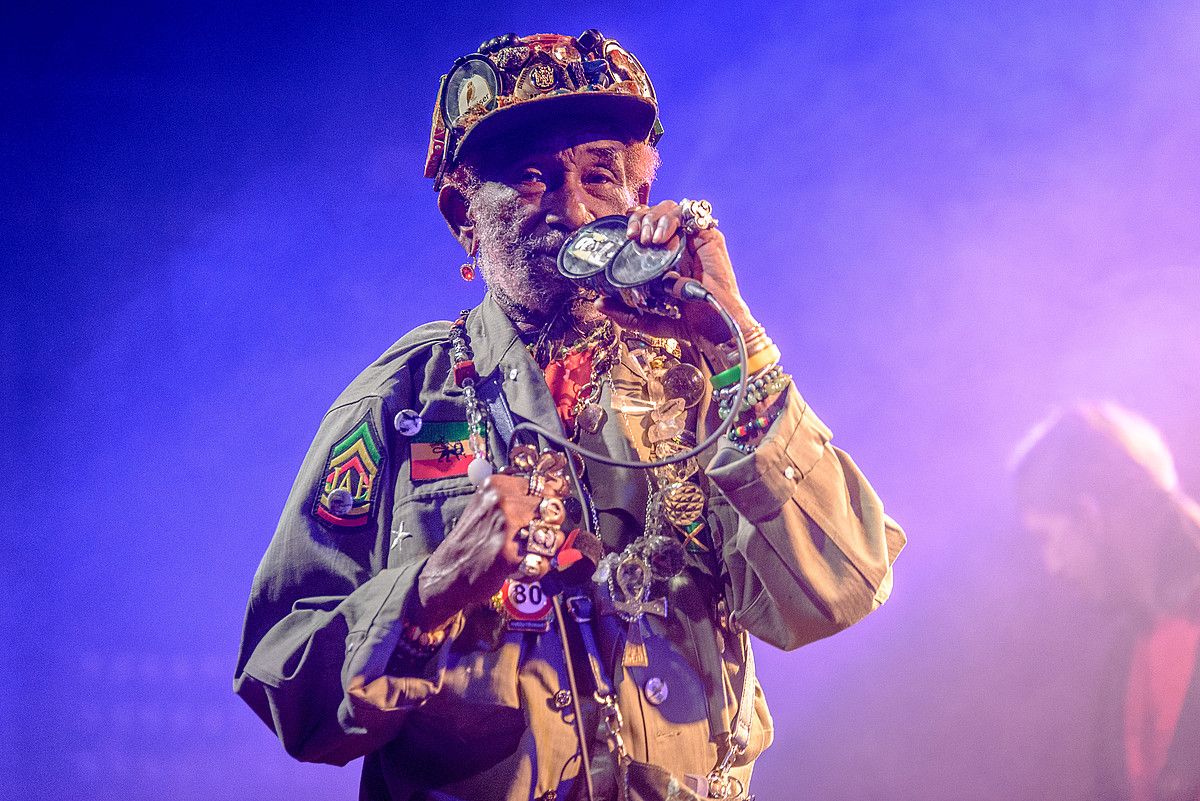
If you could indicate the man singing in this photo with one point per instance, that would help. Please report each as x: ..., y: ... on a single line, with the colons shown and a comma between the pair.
x: 482, y: 612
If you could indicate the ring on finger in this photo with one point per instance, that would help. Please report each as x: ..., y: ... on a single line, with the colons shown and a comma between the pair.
x: 696, y: 215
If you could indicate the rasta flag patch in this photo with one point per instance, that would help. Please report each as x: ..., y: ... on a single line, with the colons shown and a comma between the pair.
x: 441, y: 450
x: 348, y: 489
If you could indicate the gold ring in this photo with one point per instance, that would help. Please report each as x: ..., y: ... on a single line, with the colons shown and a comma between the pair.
x: 696, y: 215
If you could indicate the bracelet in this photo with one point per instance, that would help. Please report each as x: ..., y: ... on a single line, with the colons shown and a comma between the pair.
x: 756, y: 360
x: 755, y: 334
x: 771, y: 382
x: 747, y: 430
x: 739, y: 435
x: 417, y: 644
x: 727, y: 392
x: 757, y: 340
x: 420, y: 638
x: 409, y: 654
x: 762, y: 359
x: 727, y: 378
x: 759, y: 346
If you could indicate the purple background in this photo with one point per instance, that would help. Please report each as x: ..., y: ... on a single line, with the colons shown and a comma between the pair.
x: 950, y: 215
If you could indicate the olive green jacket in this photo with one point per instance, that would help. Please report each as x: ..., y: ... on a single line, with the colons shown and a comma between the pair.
x: 805, y: 550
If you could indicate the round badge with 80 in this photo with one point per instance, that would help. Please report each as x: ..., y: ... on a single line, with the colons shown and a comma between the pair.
x: 525, y: 600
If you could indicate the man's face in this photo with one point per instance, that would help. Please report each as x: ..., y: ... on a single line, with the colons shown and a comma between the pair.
x: 1069, y: 549
x: 533, y: 196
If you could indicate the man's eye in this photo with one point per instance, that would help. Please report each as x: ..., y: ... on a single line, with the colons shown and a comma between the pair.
x: 529, y: 176
x: 601, y: 177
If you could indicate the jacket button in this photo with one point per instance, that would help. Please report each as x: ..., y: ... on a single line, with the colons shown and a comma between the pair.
x: 561, y: 699
x: 789, y: 473
x: 656, y: 690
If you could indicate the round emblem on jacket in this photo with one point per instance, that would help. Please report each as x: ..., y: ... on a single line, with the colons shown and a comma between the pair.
x: 408, y: 422
x: 656, y: 690
x: 561, y: 699
x: 340, y: 501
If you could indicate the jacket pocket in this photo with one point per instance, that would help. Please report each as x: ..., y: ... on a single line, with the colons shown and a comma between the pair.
x: 423, y: 516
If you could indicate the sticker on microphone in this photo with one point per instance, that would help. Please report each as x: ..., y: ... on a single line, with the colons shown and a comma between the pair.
x: 593, y: 247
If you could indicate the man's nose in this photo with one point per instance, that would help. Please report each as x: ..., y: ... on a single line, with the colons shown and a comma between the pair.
x: 568, y: 208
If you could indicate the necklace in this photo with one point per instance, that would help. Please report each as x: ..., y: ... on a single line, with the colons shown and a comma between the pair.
x: 466, y: 378
x: 592, y: 354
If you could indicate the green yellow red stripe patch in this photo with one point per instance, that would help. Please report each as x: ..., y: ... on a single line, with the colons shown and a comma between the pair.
x: 440, y: 450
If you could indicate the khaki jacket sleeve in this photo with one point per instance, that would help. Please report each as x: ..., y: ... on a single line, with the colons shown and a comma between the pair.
x: 813, y: 550
x: 323, y: 618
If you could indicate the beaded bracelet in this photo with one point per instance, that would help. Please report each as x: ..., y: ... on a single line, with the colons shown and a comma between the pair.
x: 746, y: 430
x: 726, y: 393
x: 740, y: 434
x: 759, y: 389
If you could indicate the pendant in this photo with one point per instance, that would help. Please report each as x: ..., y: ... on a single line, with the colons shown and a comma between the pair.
x: 591, y: 418
x: 635, y: 653
x: 524, y: 606
x: 668, y: 419
x: 629, y: 585
x: 665, y: 557
x: 683, y: 503
x: 685, y: 382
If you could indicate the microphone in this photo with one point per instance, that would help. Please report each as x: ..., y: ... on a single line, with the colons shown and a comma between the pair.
x: 684, y: 288
x: 603, y: 258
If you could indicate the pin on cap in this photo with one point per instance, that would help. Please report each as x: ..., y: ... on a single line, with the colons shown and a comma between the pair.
x: 515, y: 84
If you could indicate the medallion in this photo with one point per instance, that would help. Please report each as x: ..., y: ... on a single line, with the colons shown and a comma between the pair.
x: 525, y: 606
x: 683, y: 503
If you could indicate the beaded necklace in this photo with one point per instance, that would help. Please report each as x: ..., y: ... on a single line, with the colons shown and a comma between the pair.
x: 466, y: 378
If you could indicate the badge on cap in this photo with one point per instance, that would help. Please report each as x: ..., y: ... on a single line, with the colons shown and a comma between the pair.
x: 347, y: 493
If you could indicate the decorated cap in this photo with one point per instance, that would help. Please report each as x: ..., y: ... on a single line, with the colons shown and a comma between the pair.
x: 516, y: 82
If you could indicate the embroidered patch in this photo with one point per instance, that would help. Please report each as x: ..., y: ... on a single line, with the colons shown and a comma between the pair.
x: 348, y: 491
x: 440, y: 450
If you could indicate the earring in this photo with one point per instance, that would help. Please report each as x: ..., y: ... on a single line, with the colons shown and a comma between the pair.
x: 467, y: 270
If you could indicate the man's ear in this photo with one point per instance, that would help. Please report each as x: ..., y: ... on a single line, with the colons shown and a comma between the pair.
x: 455, y: 207
x: 643, y: 194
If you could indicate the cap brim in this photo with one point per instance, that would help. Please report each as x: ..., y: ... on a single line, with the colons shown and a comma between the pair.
x: 631, y: 118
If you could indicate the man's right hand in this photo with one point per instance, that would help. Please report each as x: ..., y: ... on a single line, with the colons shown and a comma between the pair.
x: 479, y: 553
